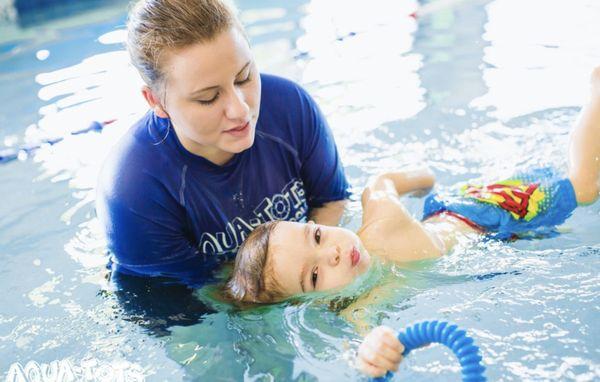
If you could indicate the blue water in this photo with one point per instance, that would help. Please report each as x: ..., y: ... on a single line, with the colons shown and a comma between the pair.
x: 474, y: 89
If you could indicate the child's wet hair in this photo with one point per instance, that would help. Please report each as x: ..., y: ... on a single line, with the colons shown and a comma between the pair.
x: 250, y: 280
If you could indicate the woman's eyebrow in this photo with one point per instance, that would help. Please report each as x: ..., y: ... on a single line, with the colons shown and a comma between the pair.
x: 195, y: 92
x: 243, y: 68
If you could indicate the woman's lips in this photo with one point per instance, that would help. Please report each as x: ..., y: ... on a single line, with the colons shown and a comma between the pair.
x: 239, y: 130
x: 354, y: 256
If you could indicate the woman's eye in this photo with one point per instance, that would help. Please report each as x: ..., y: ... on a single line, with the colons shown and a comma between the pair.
x: 245, y: 80
x: 209, y: 101
x: 315, y: 275
x: 318, y: 235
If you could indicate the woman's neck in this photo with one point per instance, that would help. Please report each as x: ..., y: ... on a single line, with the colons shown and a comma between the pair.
x: 212, y: 154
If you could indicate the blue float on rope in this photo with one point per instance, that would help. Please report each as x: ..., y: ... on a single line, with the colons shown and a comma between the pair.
x: 10, y: 154
x: 462, y: 346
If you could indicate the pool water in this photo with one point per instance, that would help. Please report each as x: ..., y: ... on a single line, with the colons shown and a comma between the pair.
x: 473, y: 89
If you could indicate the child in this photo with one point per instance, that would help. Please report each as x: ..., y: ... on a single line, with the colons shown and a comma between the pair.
x: 283, y: 259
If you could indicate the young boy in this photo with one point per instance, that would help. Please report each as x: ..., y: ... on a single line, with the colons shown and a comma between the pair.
x: 283, y: 259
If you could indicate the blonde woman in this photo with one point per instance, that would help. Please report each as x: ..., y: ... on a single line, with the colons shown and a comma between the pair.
x: 222, y: 149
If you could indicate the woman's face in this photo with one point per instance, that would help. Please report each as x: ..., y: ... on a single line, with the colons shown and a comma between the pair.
x: 306, y: 257
x: 212, y: 96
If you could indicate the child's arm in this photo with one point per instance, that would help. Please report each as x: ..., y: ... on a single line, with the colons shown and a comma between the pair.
x: 388, y: 229
x: 400, y: 182
x: 380, y: 197
x: 359, y: 313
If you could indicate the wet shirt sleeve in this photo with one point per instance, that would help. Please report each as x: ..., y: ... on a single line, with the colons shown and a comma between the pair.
x: 146, y: 228
x: 322, y: 170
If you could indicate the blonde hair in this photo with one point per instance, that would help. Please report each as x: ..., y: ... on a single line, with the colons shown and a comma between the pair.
x: 155, y: 27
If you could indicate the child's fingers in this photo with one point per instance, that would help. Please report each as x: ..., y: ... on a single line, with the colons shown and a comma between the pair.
x: 384, y: 336
x: 369, y: 369
x: 379, y: 355
x: 380, y: 350
x: 390, y: 339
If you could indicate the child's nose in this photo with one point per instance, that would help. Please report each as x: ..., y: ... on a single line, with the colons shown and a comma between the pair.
x: 334, y: 258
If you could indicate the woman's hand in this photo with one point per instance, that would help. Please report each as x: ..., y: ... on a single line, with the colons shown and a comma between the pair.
x: 329, y: 214
x: 380, y: 352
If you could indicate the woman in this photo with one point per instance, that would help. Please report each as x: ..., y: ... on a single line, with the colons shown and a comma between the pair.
x: 222, y: 150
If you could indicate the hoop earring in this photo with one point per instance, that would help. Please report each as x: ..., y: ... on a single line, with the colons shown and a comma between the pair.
x: 166, y: 134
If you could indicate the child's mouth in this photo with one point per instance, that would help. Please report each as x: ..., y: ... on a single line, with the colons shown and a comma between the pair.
x: 354, y: 256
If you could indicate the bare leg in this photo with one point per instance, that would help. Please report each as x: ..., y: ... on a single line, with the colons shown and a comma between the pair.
x: 584, y: 150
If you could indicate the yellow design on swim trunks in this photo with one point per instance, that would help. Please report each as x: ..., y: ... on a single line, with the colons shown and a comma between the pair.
x: 521, y: 200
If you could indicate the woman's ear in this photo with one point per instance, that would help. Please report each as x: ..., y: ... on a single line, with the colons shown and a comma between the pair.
x: 154, y: 102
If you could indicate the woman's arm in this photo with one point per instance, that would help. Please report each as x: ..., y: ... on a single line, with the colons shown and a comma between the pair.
x: 329, y: 214
x: 322, y: 171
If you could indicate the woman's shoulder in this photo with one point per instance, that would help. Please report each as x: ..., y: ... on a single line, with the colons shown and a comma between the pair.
x: 283, y: 92
x: 288, y: 111
x: 138, y: 155
x: 275, y: 82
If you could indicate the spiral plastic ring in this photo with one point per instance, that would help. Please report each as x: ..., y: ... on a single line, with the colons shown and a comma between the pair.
x: 451, y: 336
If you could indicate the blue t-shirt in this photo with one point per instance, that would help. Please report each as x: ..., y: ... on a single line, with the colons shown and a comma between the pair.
x: 168, y: 212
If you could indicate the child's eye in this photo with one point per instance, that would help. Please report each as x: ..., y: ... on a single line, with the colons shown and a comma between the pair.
x: 315, y: 275
x: 318, y: 235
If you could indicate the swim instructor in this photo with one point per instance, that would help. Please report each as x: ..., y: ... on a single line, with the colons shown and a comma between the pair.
x: 222, y: 149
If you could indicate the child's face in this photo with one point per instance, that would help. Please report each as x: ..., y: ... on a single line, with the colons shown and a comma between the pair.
x: 306, y: 257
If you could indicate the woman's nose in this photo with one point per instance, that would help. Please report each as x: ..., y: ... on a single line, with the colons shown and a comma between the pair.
x: 237, y: 108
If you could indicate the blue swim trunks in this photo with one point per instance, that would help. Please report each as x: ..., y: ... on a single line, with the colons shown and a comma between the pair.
x: 529, y: 202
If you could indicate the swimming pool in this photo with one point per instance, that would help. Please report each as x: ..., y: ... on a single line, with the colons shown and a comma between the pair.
x: 476, y: 89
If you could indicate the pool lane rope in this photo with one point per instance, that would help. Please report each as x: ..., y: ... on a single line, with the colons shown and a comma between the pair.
x: 12, y: 153
x: 451, y: 336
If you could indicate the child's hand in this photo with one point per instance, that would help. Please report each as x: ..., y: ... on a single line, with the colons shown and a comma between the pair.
x: 417, y: 182
x: 380, y: 351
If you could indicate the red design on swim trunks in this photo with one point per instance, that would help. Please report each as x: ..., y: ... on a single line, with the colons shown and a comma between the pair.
x: 511, y: 196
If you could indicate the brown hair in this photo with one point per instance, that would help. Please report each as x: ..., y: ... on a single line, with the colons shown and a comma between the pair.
x: 156, y: 26
x: 250, y: 281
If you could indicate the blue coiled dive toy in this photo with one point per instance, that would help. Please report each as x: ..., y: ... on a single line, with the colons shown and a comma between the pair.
x: 462, y: 346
